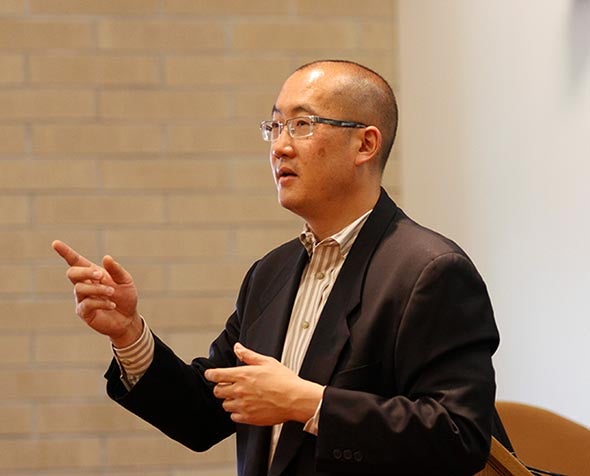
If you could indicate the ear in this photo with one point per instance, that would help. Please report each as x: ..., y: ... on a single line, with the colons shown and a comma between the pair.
x: 370, y: 145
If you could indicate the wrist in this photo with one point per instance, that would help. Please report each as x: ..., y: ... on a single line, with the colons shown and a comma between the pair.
x: 307, y: 401
x: 131, y: 334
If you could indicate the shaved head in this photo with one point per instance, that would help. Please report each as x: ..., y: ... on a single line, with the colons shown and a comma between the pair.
x: 361, y: 95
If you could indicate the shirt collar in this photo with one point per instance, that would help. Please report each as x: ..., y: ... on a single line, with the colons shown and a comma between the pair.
x: 344, y: 238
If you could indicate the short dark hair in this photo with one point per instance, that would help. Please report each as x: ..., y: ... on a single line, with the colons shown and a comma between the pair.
x: 368, y: 91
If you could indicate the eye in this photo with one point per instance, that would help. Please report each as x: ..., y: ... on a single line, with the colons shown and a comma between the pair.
x: 301, y: 122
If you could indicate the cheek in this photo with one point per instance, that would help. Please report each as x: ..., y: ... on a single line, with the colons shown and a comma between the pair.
x: 272, y: 162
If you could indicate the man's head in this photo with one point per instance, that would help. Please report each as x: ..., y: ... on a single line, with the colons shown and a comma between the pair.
x: 365, y: 97
x: 335, y: 123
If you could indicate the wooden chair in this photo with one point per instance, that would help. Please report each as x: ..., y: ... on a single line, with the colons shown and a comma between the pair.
x: 502, y: 463
x: 545, y: 440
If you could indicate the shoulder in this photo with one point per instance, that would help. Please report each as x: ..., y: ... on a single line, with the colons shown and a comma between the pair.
x: 411, y: 250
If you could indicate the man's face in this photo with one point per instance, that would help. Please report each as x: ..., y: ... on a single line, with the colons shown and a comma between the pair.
x: 312, y: 173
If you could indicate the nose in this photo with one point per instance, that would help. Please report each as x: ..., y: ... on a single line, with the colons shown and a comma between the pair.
x: 283, y: 146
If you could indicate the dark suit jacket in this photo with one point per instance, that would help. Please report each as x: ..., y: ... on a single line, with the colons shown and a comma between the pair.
x: 403, y: 345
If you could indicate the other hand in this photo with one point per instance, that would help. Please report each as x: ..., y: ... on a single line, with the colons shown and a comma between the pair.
x: 264, y: 392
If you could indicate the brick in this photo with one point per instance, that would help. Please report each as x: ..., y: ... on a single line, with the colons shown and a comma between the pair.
x: 377, y: 35
x: 310, y: 35
x: 254, y: 174
x: 39, y: 315
x: 79, y: 348
x: 148, y: 278
x: 95, y: 139
x: 11, y: 69
x: 51, y: 279
x: 229, y: 209
x: 167, y: 313
x: 257, y: 105
x: 225, y: 7
x: 163, y: 105
x: 161, y: 35
x: 12, y: 140
x: 367, y: 8
x: 99, y: 209
x: 222, y: 138
x: 94, y: 7
x: 46, y: 174
x: 255, y: 243
x: 15, y: 210
x: 94, y: 69
x: 159, y: 450
x: 46, y: 104
x: 50, y: 34
x: 14, y: 349
x: 12, y: 6
x: 216, y: 70
x: 188, y: 345
x: 15, y: 279
x: 55, y: 453
x: 28, y: 245
x: 217, y: 471
x: 56, y: 418
x: 206, y: 277
x: 40, y: 384
x: 165, y: 174
x: 169, y: 243
x: 16, y: 419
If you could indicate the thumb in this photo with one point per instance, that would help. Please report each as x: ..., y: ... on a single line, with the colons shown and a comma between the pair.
x: 118, y: 274
x: 249, y: 356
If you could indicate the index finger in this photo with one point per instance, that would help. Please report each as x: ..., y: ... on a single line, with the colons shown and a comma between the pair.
x: 71, y: 256
x: 223, y: 375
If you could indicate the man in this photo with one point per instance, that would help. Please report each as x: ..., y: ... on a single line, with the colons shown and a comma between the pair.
x: 364, y: 347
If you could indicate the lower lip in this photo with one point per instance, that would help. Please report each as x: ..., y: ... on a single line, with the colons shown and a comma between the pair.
x: 286, y: 179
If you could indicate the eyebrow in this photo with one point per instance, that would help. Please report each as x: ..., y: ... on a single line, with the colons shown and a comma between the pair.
x: 297, y: 110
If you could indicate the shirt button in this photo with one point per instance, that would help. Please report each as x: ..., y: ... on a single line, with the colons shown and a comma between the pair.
x: 305, y: 325
x: 320, y: 275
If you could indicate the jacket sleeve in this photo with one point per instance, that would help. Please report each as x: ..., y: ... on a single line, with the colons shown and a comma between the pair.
x: 175, y: 397
x: 438, y: 421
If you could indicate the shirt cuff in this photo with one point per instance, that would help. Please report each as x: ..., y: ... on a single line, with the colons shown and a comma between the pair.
x: 135, y: 359
x: 312, y: 425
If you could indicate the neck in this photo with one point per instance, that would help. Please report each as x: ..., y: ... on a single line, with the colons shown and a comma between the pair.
x: 332, y: 221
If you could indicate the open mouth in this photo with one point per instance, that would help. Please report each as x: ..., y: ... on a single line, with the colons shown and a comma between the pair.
x: 284, y: 173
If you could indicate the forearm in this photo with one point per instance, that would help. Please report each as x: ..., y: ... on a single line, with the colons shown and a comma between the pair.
x: 375, y: 434
x: 174, y: 397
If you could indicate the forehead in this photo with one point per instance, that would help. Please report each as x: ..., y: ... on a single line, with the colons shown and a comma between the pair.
x: 309, y: 91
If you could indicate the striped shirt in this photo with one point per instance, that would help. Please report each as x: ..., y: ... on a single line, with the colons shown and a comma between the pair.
x: 325, y: 262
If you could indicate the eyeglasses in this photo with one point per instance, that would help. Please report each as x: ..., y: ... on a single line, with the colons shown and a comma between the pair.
x: 301, y: 126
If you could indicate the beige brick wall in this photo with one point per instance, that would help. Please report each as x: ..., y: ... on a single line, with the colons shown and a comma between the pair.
x: 130, y: 127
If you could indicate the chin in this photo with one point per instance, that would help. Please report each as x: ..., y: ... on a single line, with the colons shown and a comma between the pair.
x: 290, y: 202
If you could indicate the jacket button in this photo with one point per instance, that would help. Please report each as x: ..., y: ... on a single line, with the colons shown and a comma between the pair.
x: 347, y: 454
x: 358, y: 456
x: 337, y: 454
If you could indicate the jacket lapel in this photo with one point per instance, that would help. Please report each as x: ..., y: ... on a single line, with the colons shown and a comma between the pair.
x: 332, y: 332
x: 266, y: 335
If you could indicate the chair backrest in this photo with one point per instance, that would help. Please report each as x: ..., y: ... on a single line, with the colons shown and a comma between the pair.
x: 502, y: 463
x: 545, y: 440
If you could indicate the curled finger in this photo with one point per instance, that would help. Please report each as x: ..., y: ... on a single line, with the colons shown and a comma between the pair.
x: 87, y: 307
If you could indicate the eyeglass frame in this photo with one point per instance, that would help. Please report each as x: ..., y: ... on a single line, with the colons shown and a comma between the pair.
x: 313, y: 120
